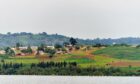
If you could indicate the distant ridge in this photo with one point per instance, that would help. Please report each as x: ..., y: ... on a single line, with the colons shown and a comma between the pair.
x: 10, y: 39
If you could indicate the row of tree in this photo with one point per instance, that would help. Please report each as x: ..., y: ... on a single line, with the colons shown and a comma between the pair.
x: 54, y: 64
x: 63, y: 68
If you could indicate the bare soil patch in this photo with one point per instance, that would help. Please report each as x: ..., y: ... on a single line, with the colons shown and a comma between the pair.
x: 124, y: 64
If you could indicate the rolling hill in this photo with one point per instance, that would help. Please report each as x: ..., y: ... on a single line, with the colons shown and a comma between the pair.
x: 10, y: 39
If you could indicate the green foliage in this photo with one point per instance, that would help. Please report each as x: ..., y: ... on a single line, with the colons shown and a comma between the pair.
x: 9, y: 51
x: 41, y: 47
x: 50, y: 52
x: 25, y: 38
x: 57, y: 46
x: 98, y: 45
x: 64, y: 49
x: 62, y: 68
x: 73, y: 41
x: 80, y: 60
x: 88, y: 47
x: 122, y: 44
x: 77, y: 47
x: 18, y: 45
x: 66, y: 44
x: 28, y: 50
x: 138, y: 46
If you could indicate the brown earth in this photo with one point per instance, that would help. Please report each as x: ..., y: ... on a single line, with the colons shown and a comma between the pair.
x: 124, y: 64
x: 89, y: 54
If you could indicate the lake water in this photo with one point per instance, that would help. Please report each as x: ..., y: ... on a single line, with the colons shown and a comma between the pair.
x: 67, y: 80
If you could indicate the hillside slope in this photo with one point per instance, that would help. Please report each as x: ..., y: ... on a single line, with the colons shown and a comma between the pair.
x: 130, y: 53
x: 10, y: 39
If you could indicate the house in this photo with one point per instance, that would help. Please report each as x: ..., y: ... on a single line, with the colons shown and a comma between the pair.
x: 34, y: 48
x: 59, y: 52
x: 51, y: 47
x: 69, y: 47
x: 40, y: 52
x: 22, y: 48
x: 2, y: 52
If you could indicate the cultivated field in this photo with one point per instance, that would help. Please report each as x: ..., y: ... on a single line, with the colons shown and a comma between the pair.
x: 99, y: 57
x: 126, y: 58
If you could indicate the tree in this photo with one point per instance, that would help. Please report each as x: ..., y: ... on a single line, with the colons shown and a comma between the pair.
x: 9, y: 51
x: 41, y: 47
x: 57, y: 46
x: 37, y: 54
x: 138, y: 46
x: 44, y: 33
x: 88, y: 47
x: 50, y: 52
x: 12, y: 53
x: 66, y: 44
x: 73, y: 41
x: 17, y: 46
x: 29, y: 49
x: 77, y: 47
x: 122, y: 44
x: 64, y: 49
x: 98, y: 45
x: 8, y: 33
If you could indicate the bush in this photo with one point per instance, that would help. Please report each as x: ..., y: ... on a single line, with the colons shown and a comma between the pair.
x: 77, y: 47
x: 50, y: 52
x: 138, y: 46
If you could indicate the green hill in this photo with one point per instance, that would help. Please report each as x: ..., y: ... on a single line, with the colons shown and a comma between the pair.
x: 130, y: 53
x: 25, y: 39
x: 10, y: 39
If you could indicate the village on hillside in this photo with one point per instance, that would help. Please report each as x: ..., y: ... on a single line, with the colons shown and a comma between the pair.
x: 70, y: 58
x: 43, y: 49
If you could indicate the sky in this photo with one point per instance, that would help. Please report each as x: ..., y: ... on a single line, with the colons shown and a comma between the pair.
x: 74, y: 18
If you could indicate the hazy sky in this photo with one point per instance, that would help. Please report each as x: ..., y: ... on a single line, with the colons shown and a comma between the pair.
x: 77, y: 18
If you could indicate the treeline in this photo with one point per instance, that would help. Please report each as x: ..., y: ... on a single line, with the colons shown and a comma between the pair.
x: 54, y: 64
x: 62, y: 68
x: 11, y: 65
x: 10, y: 39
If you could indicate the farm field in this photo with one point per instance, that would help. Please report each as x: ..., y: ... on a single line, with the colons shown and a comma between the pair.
x: 96, y: 57
x: 83, y: 58
x: 126, y: 56
x: 118, y: 59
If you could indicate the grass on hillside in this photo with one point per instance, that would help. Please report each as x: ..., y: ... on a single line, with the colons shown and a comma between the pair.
x: 130, y: 53
x: 83, y: 58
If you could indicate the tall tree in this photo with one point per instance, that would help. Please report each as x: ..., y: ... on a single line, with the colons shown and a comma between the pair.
x: 17, y: 46
x: 29, y: 49
x: 50, y: 52
x: 41, y: 47
x: 73, y: 41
